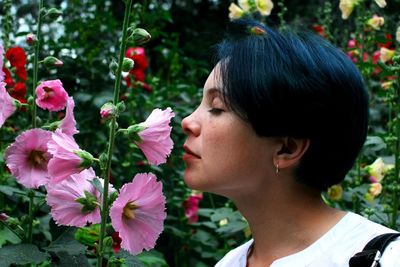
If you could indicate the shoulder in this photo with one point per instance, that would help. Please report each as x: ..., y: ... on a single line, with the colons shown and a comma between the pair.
x: 391, y: 255
x: 236, y: 257
x: 367, y: 230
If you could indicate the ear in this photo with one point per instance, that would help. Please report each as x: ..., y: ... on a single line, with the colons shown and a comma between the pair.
x: 290, y: 152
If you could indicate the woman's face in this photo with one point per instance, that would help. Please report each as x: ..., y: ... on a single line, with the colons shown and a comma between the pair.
x: 223, y: 154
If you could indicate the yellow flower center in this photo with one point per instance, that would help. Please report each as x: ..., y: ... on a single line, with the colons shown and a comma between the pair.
x: 49, y: 92
x: 129, y: 210
x: 36, y: 158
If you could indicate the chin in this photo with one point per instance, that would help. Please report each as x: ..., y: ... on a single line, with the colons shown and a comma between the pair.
x: 195, y: 182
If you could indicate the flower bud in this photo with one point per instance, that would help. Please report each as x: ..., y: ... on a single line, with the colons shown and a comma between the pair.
x: 121, y: 107
x: 51, y: 62
x: 86, y: 157
x: 133, y: 131
x: 113, y: 66
x: 89, y: 202
x: 139, y: 36
x: 52, y: 14
x: 398, y: 34
x: 31, y: 39
x: 396, y: 59
x: 127, y: 64
x: 3, y: 217
x: 108, y: 110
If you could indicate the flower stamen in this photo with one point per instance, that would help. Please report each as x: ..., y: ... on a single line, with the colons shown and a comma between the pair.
x: 129, y: 210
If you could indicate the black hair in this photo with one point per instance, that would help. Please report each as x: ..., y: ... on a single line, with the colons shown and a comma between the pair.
x: 297, y: 84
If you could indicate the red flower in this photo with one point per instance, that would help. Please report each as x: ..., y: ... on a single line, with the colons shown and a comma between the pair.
x: 138, y: 55
x: 8, y: 78
x: 147, y: 87
x: 16, y: 56
x: 116, y: 242
x: 21, y: 73
x: 388, y: 43
x: 320, y: 30
x: 191, y: 206
x: 18, y: 91
x: 138, y: 74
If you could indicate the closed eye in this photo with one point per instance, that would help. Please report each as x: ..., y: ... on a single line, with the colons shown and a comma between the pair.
x: 215, y: 111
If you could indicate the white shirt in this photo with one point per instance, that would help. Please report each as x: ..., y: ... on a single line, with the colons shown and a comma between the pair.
x: 333, y: 249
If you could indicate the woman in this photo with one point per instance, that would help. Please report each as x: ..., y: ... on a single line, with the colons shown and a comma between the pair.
x: 283, y: 117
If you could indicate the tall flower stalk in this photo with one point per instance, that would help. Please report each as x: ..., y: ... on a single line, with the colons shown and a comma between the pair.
x: 396, y: 188
x: 107, y: 167
x: 33, y: 107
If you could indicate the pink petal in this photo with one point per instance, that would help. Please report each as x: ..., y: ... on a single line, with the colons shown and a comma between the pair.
x: 142, y: 231
x: 16, y: 157
x: 68, y: 124
x: 7, y: 107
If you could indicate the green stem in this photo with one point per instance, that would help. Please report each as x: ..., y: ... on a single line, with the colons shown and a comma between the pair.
x: 30, y: 216
x: 34, y: 82
x: 396, y: 181
x: 35, y: 62
x: 107, y: 172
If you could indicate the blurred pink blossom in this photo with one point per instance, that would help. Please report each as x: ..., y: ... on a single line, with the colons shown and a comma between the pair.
x: 51, y: 95
x: 67, y: 157
x: 7, y: 106
x: 191, y: 206
x: 156, y: 142
x: 138, y: 213
x: 2, y: 74
x: 27, y: 158
x: 62, y: 198
x: 68, y: 124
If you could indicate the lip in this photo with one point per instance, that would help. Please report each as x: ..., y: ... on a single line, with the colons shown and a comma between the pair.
x: 189, y: 154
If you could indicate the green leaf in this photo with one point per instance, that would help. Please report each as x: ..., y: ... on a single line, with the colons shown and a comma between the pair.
x: 66, y: 243
x: 96, y: 183
x: 130, y: 260
x: 21, y: 254
x: 67, y: 260
x: 7, y: 235
x: 152, y: 259
x: 9, y: 190
x: 88, y: 235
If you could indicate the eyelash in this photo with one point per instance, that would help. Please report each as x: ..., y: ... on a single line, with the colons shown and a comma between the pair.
x: 215, y: 111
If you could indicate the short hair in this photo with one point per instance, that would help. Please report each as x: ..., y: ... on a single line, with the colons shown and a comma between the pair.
x: 297, y: 84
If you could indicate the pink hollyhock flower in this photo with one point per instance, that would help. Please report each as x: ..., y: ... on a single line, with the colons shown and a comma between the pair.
x: 155, y: 140
x: 2, y: 74
x: 138, y: 213
x: 67, y: 158
x: 191, y: 206
x: 68, y: 124
x: 7, y: 106
x: 74, y: 201
x: 351, y: 43
x: 27, y: 158
x: 51, y: 95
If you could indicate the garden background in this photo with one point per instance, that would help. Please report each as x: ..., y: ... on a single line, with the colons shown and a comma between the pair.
x: 170, y: 71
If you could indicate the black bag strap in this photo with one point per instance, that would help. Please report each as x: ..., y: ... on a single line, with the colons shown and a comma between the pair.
x: 372, y: 252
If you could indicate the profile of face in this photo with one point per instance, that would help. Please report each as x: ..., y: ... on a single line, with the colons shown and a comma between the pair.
x: 223, y: 154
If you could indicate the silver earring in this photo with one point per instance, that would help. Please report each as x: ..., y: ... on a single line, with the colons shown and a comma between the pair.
x: 277, y: 168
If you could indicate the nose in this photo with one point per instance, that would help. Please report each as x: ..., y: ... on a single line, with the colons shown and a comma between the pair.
x: 191, y: 125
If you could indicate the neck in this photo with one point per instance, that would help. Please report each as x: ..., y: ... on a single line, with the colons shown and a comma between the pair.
x: 284, y: 220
